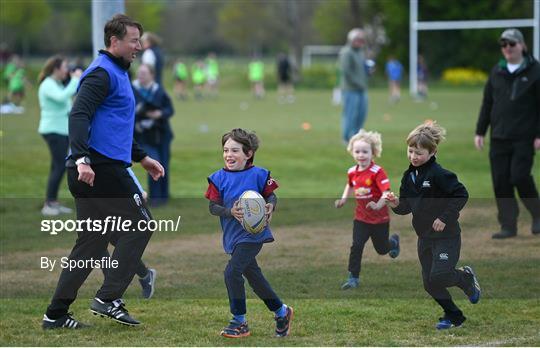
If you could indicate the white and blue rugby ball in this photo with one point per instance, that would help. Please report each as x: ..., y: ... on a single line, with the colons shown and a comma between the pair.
x: 253, y: 206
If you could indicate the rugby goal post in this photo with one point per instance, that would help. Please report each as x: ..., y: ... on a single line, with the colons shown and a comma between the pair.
x: 313, y: 50
x: 102, y: 11
x: 415, y: 26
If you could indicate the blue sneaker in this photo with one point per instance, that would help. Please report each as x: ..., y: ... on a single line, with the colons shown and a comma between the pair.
x: 473, y: 292
x: 148, y: 283
x: 444, y: 324
x: 351, y: 283
x: 448, y: 322
x: 394, y: 252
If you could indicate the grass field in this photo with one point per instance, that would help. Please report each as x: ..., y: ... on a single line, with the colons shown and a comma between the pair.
x: 307, y: 262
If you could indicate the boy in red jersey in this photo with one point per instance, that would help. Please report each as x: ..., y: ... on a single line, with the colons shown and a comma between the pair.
x: 369, y: 183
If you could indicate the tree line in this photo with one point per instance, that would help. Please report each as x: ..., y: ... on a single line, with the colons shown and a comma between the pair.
x: 266, y: 27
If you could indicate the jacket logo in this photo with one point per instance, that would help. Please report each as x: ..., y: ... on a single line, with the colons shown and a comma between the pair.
x: 524, y: 79
x: 443, y: 256
x: 137, y: 199
x: 426, y: 183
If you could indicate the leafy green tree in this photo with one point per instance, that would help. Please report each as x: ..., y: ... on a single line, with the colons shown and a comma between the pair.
x: 442, y: 48
x: 476, y: 48
x: 70, y: 18
x: 192, y: 27
x: 250, y: 25
x: 146, y: 12
x: 332, y: 20
x: 22, y: 20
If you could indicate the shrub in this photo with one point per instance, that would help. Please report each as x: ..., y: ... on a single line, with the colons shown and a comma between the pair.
x: 464, y: 76
x: 318, y: 77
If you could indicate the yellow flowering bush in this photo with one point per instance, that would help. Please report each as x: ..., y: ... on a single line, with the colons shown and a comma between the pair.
x: 464, y: 76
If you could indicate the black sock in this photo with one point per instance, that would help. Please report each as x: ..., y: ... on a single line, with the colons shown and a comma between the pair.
x: 448, y: 306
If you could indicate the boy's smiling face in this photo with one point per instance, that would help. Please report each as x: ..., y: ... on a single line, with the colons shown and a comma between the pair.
x: 418, y: 155
x: 233, y: 155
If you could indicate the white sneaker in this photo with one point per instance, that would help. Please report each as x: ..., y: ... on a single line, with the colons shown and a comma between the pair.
x: 61, y: 208
x: 49, y: 210
x: 10, y: 108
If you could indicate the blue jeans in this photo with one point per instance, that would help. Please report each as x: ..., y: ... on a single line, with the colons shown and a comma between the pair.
x: 243, y: 264
x: 158, y: 191
x: 355, y: 105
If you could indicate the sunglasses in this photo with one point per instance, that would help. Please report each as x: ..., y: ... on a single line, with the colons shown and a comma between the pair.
x: 503, y: 44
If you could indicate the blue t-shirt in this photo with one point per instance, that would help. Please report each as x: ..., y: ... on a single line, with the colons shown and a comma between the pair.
x: 230, y: 185
x: 394, y: 70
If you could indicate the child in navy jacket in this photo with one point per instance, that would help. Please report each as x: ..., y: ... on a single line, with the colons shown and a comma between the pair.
x: 434, y: 196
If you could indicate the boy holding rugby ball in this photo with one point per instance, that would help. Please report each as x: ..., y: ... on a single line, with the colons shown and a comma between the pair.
x: 224, y: 188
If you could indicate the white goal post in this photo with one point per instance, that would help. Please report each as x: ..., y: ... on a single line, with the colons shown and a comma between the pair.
x: 415, y: 26
x: 312, y: 50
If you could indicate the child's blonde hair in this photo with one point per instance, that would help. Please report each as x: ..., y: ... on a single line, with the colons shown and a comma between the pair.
x: 372, y: 138
x: 427, y: 136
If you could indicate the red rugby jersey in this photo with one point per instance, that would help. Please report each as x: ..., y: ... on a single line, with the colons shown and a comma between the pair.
x: 368, y: 185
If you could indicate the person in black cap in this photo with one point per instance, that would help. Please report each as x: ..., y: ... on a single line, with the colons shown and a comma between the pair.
x: 511, y: 107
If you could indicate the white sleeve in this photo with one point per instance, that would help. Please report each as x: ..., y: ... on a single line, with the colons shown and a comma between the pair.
x: 149, y: 58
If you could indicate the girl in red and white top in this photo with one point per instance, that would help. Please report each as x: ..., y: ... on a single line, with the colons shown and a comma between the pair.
x: 369, y: 184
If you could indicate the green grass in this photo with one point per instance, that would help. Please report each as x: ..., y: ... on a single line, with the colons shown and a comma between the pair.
x: 307, y: 262
x: 307, y: 164
x: 358, y: 322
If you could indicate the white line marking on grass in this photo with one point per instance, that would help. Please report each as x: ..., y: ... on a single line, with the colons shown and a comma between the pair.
x: 507, y: 342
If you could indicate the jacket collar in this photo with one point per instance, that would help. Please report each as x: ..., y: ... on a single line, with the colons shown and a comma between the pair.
x: 151, y: 88
x: 528, y: 60
x: 121, y: 62
x: 423, y: 168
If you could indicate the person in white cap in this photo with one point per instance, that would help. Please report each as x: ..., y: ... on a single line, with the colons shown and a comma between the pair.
x: 511, y: 107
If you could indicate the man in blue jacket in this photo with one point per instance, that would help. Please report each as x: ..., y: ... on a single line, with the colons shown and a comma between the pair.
x: 102, y: 148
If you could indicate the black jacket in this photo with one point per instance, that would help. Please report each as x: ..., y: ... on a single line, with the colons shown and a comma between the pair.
x: 147, y: 130
x: 511, y: 104
x: 435, y: 193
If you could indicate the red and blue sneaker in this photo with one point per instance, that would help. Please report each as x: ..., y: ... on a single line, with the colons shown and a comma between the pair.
x: 235, y: 329
x: 283, y: 324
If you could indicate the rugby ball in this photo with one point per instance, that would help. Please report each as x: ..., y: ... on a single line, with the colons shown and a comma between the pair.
x: 253, y: 207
